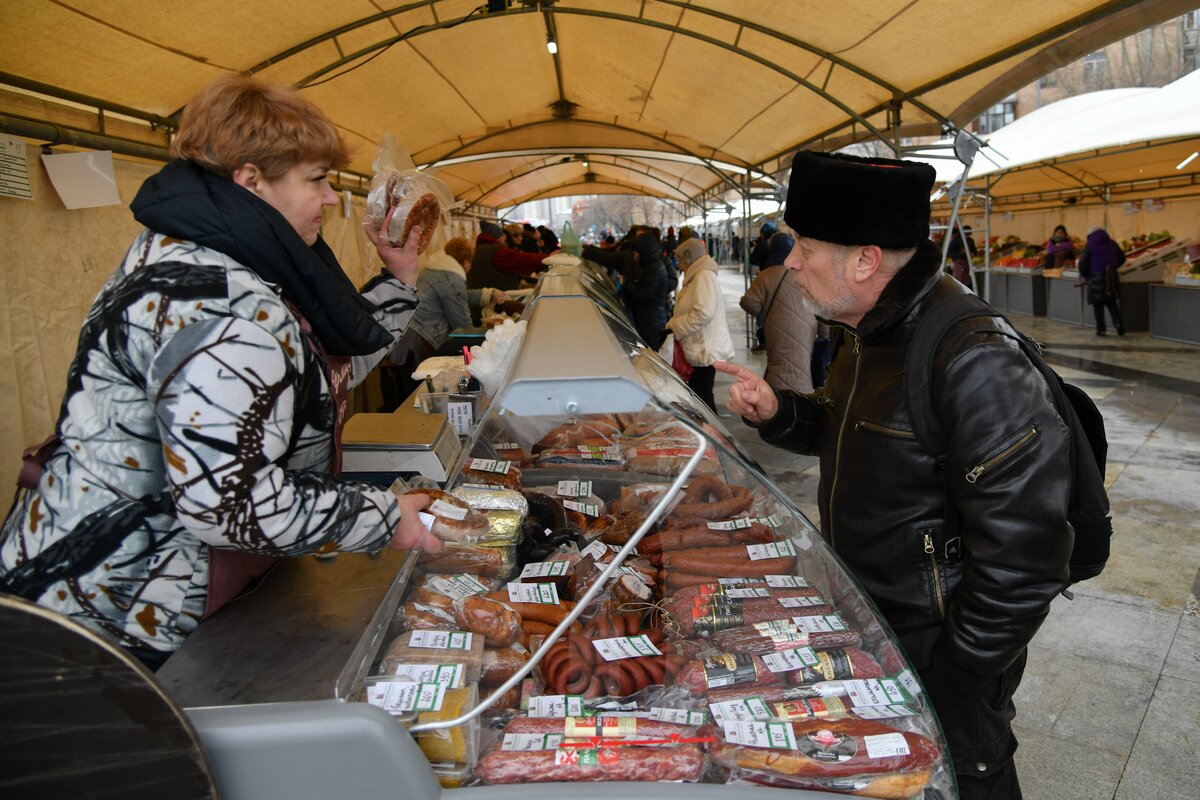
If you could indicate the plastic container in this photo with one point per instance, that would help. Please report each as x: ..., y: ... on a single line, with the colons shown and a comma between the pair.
x: 448, y: 647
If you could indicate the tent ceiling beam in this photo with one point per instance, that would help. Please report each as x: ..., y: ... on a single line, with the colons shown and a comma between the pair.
x: 683, y: 197
x: 632, y: 190
x: 8, y: 79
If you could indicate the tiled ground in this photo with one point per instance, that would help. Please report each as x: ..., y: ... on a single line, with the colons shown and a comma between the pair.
x: 1110, y: 703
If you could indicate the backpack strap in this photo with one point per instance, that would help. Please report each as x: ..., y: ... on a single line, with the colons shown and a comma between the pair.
x: 918, y: 364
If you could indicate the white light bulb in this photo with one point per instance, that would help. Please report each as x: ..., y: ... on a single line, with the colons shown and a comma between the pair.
x: 552, y: 47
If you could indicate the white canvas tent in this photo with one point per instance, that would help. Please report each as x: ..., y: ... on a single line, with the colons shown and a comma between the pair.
x: 676, y: 98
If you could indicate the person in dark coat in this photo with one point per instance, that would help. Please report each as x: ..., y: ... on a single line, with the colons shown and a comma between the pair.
x: 549, y: 239
x: 645, y: 287
x: 1098, y: 263
x: 960, y: 253
x: 760, y: 247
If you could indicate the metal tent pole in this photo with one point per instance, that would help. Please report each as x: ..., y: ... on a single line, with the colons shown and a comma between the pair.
x: 987, y: 239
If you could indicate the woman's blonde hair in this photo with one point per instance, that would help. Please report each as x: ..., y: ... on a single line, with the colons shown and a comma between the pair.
x: 235, y: 120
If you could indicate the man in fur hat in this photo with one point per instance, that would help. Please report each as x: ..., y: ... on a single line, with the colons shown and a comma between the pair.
x: 962, y: 560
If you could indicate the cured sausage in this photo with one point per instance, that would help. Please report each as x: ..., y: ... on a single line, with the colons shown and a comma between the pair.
x: 743, y: 670
x: 681, y: 762
x: 770, y: 637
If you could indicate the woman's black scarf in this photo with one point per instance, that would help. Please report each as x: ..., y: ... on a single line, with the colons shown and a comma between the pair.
x: 188, y: 202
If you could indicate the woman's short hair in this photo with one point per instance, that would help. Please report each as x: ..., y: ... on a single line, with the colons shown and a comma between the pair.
x: 459, y: 249
x: 235, y: 120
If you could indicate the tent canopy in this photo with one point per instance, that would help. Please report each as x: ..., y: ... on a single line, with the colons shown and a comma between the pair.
x: 1126, y: 141
x: 671, y: 98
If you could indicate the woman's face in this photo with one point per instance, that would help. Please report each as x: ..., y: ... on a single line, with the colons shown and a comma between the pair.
x: 299, y: 195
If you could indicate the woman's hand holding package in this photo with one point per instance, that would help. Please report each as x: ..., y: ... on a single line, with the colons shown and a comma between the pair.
x: 411, y: 532
x: 400, y: 261
x: 751, y: 397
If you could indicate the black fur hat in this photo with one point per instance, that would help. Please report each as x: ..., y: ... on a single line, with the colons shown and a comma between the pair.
x: 851, y: 200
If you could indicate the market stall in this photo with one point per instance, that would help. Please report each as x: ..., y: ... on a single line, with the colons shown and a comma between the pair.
x: 623, y: 596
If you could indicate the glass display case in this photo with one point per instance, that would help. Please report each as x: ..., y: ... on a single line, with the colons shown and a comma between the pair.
x: 623, y: 595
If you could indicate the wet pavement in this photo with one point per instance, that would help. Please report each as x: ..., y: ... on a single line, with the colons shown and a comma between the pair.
x: 1110, y: 703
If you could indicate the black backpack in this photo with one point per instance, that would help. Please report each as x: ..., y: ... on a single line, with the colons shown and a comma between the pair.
x: 1088, y: 511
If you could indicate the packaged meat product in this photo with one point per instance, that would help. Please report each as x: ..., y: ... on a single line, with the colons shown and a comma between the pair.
x: 453, y: 520
x: 402, y: 197
x: 434, y: 647
x: 743, y: 670
x: 840, y: 663
x: 451, y: 751
x: 490, y: 562
x: 678, y: 762
x: 496, y: 622
x: 587, y: 727
x: 421, y: 616
x: 493, y: 497
x: 492, y: 472
x: 719, y: 612
x: 863, y: 757
x: 589, y: 431
x: 819, y: 633
x: 500, y: 663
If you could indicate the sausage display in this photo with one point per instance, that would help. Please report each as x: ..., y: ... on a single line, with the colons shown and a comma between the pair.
x: 681, y: 762
x: 743, y: 670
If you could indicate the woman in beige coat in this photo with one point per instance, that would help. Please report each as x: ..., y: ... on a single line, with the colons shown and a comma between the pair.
x: 699, y: 323
x: 790, y: 328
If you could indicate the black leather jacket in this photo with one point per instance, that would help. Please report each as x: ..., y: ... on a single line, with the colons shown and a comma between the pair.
x: 969, y: 605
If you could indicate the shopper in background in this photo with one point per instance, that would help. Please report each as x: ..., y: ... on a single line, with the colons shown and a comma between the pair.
x: 669, y: 245
x: 548, y: 239
x: 699, y: 322
x: 531, y: 240
x: 444, y: 306
x: 1098, y: 264
x: 759, y: 247
x: 789, y: 325
x: 645, y: 285
x: 199, y: 434
x: 685, y: 233
x: 960, y: 253
x: 964, y: 607
x: 1060, y: 250
x: 496, y: 264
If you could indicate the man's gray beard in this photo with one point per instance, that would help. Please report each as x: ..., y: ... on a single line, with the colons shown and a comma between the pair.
x: 836, y: 307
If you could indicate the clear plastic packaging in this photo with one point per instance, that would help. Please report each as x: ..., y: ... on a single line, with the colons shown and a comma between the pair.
x: 401, y: 197
x: 434, y: 647
x: 452, y: 519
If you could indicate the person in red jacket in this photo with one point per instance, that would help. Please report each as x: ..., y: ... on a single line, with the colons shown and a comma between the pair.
x: 496, y: 264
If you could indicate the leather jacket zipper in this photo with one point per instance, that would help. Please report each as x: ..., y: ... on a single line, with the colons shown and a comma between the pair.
x: 937, y: 575
x: 842, y: 430
x: 899, y: 433
x: 996, y: 460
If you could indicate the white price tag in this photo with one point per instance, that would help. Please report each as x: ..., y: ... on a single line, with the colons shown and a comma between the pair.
x: 441, y: 508
x: 397, y: 697
x: 909, y: 682
x: 782, y: 549
x: 596, y: 550
x: 489, y: 465
x: 775, y: 735
x: 590, y: 509
x: 545, y: 593
x: 800, y: 602
x: 680, y: 716
x: 441, y: 640
x: 786, y: 582
x: 886, y: 745
x: 531, y: 741
x: 461, y: 416
x: 771, y: 521
x: 449, y: 675
x: 545, y: 569
x: 875, y: 692
x: 626, y: 647
x: 791, y: 660
x: 506, y: 446
x: 574, y: 488
x: 825, y: 624
x: 745, y: 710
x: 883, y: 712
x: 738, y: 581
x: 556, y: 705
x: 744, y: 593
x: 730, y: 524
x: 457, y: 586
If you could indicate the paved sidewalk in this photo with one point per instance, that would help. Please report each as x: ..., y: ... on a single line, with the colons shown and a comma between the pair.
x: 1110, y: 703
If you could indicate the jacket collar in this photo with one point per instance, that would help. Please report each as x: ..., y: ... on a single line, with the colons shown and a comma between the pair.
x: 702, y: 264
x: 904, y: 292
x: 441, y: 261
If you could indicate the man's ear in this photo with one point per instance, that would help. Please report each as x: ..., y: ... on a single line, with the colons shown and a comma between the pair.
x: 870, y: 258
x: 248, y: 176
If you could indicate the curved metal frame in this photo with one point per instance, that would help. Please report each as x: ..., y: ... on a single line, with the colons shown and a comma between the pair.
x: 684, y: 197
x: 546, y: 193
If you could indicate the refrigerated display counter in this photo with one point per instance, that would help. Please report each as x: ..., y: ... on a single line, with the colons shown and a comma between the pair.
x: 624, y: 601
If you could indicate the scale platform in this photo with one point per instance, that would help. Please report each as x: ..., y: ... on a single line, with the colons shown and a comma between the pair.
x: 407, y: 441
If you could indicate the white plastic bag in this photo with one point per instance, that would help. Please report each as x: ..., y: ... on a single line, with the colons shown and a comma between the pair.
x: 667, y: 351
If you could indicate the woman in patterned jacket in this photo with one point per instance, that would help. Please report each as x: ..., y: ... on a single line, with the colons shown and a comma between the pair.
x: 199, y: 433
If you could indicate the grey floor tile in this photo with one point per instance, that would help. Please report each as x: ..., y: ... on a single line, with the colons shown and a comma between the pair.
x: 1051, y: 767
x: 1151, y: 563
x: 1165, y: 763
x: 1083, y: 700
x: 1183, y: 659
x: 1113, y: 632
